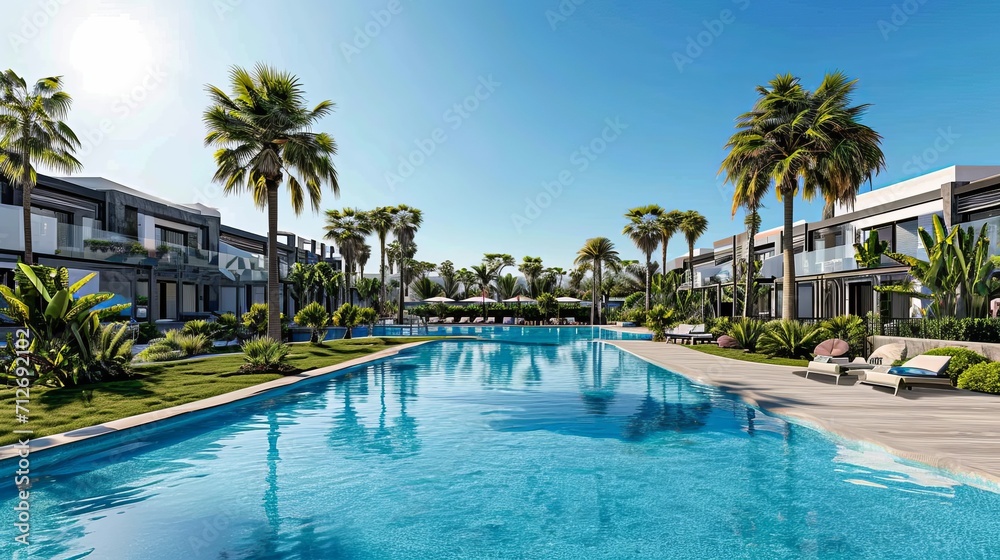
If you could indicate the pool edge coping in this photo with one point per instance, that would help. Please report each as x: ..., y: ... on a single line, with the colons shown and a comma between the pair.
x: 45, y: 443
x: 970, y: 475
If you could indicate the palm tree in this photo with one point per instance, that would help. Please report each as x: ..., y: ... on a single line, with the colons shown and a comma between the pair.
x: 348, y: 228
x: 558, y: 273
x: 646, y: 231
x: 425, y: 288
x: 507, y: 286
x: 484, y: 276
x: 406, y: 222
x: 393, y: 255
x: 381, y: 222
x: 531, y: 268
x: 598, y: 252
x: 669, y: 222
x: 263, y: 135
x: 693, y: 225
x: 752, y: 221
x: 467, y: 278
x: 330, y: 283
x: 364, y: 254
x: 801, y: 141
x: 32, y: 131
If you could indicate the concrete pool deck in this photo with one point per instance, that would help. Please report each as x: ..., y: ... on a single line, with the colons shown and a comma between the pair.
x: 954, y: 430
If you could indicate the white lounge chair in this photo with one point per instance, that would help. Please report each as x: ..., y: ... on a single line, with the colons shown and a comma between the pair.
x: 432, y: 320
x: 463, y: 320
x: 824, y: 365
x: 922, y: 371
x: 570, y: 320
x: 508, y: 320
x: 448, y: 320
x: 478, y: 320
x: 490, y: 320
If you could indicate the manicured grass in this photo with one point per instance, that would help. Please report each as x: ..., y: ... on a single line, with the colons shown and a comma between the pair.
x: 165, y: 384
x: 746, y: 357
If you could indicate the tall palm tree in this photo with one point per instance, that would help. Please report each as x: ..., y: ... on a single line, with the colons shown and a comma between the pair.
x: 381, y: 222
x: 263, y: 135
x: 406, y: 222
x: 484, y: 276
x: 32, y: 132
x: 752, y: 222
x: 802, y: 141
x: 531, y: 268
x: 645, y: 230
x: 348, y: 228
x: 669, y: 222
x: 598, y: 252
x: 393, y: 255
x: 693, y: 225
x: 558, y: 273
x: 330, y: 283
x: 364, y: 254
x: 507, y: 286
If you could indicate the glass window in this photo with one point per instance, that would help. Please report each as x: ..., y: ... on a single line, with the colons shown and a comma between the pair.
x: 169, y: 236
x: 131, y: 226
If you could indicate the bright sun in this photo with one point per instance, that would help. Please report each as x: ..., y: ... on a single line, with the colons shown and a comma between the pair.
x: 111, y: 52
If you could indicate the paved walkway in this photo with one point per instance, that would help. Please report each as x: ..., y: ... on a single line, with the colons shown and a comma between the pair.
x: 949, y: 429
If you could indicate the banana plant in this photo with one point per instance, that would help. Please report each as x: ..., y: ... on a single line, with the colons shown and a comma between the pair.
x: 869, y: 254
x: 62, y: 327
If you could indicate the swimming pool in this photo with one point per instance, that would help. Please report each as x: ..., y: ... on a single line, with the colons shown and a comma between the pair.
x: 495, y: 449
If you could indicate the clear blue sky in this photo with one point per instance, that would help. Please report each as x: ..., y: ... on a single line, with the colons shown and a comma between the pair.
x: 547, y: 84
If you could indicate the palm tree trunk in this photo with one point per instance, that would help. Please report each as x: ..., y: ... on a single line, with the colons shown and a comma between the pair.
x: 691, y: 261
x: 747, y: 306
x: 788, y: 278
x: 273, y: 295
x: 663, y: 269
x: 648, y: 279
x: 381, y: 272
x: 402, y: 286
x: 29, y: 257
x: 599, y: 289
x: 593, y: 298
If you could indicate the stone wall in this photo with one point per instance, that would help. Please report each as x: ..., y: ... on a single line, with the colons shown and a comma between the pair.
x: 916, y: 346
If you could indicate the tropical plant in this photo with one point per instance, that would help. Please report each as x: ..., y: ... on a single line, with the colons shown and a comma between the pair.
x: 198, y: 326
x: 347, y: 316
x: 984, y: 378
x: 316, y: 319
x: 174, y: 344
x: 112, y: 353
x: 263, y: 135
x: 330, y: 282
x: 750, y: 265
x: 659, y: 319
x: 869, y: 254
x: 547, y: 304
x: 451, y: 288
x: 368, y: 316
x: 958, y: 271
x: 62, y: 327
x: 693, y: 225
x: 468, y: 280
x: 801, y: 142
x: 645, y: 230
x: 790, y: 339
x: 225, y: 327
x: 380, y: 219
x: 147, y: 332
x: 348, y: 228
x: 849, y: 328
x: 368, y: 290
x: 32, y: 132
x: 425, y: 288
x: 961, y: 360
x: 498, y: 261
x: 748, y: 333
x: 507, y: 286
x: 669, y: 223
x: 531, y: 268
x: 264, y: 354
x: 484, y: 276
x: 720, y: 326
x: 303, y: 279
x: 256, y: 320
x: 598, y: 252
x: 406, y: 221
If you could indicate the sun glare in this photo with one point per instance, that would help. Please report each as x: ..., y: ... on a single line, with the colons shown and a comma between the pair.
x: 111, y: 52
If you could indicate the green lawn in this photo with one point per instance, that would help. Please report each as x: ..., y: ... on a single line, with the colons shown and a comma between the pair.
x: 735, y: 354
x: 165, y: 384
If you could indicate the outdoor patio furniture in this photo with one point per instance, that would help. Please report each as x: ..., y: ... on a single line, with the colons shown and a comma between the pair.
x: 491, y: 320
x: 464, y: 320
x: 433, y: 320
x: 478, y: 320
x: 922, y: 371
x: 508, y: 320
x: 570, y: 320
x: 448, y: 320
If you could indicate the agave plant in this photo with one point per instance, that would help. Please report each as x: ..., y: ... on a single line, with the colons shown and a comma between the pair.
x: 62, y: 326
x: 790, y: 339
x: 112, y: 352
x: 263, y: 354
x: 315, y: 317
x: 747, y: 333
x: 347, y: 316
x: 849, y: 328
x: 198, y: 326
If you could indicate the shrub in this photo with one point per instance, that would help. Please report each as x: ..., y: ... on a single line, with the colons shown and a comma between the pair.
x: 636, y: 315
x: 255, y: 319
x: 191, y: 344
x: 112, y: 352
x: 197, y: 327
x: 348, y: 316
x: 720, y: 326
x: 147, y: 332
x: 635, y: 299
x: 658, y: 320
x: 175, y: 344
x: 790, y: 339
x: 225, y: 327
x: 961, y: 359
x: 848, y: 328
x: 368, y: 316
x: 263, y: 354
x: 748, y: 332
x: 315, y: 317
x: 984, y: 377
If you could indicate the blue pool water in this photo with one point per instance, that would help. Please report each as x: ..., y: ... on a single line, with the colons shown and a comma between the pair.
x: 567, y: 448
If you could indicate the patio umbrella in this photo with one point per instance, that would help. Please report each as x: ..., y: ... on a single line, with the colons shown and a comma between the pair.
x: 439, y: 299
x: 565, y: 299
x: 518, y: 299
x: 833, y: 347
x: 478, y: 299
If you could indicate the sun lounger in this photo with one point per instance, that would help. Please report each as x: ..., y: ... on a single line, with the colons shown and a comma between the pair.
x: 448, y: 320
x: 433, y: 320
x: 478, y: 320
x: 553, y: 321
x: 570, y: 320
x: 922, y: 371
x: 519, y: 321
x: 824, y: 365
x: 508, y: 320
x: 692, y: 334
x: 490, y: 320
x: 464, y: 320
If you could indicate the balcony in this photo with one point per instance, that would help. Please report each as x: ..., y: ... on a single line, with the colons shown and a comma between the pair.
x: 825, y: 261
